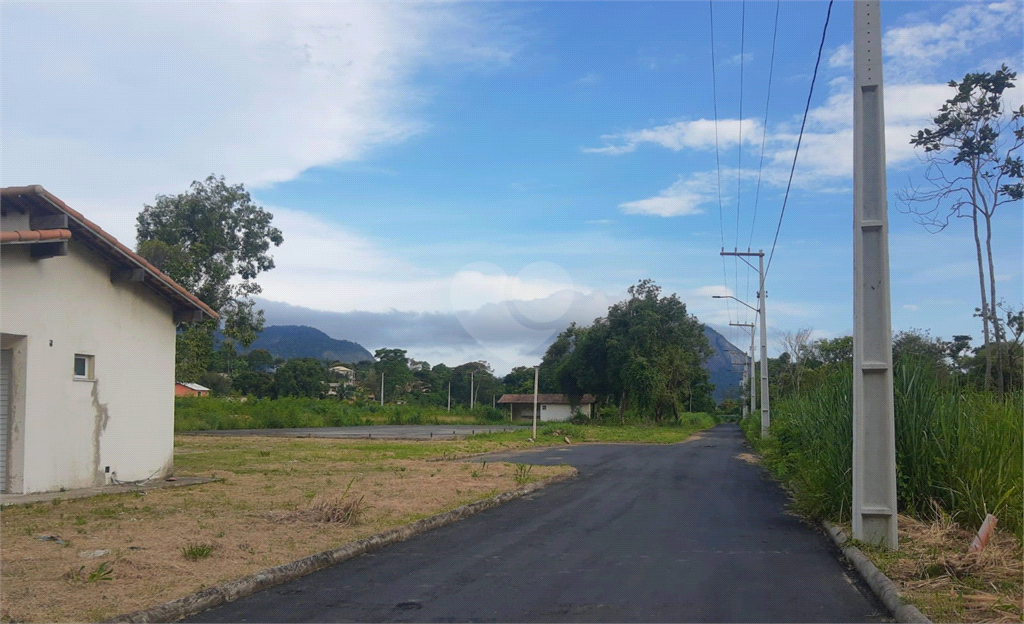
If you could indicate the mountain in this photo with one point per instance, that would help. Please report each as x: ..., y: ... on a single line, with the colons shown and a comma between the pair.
x: 726, y: 375
x: 295, y: 341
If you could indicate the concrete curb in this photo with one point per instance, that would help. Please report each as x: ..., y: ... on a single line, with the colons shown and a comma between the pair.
x: 233, y: 590
x: 879, y: 583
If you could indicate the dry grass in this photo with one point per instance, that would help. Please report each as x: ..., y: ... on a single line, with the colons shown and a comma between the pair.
x: 935, y: 572
x: 279, y: 500
x: 750, y: 458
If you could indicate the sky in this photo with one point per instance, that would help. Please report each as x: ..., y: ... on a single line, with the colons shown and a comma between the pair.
x: 463, y: 180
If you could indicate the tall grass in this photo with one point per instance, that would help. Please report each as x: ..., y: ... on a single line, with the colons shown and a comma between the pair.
x: 210, y: 413
x: 961, y: 451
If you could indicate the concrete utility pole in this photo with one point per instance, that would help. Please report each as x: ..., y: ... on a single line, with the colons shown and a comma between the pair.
x: 449, y: 396
x: 470, y: 389
x: 750, y: 377
x: 761, y: 294
x: 382, y: 389
x: 874, y: 435
x: 536, y: 380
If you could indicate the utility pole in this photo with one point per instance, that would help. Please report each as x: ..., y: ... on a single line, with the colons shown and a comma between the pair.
x: 536, y: 380
x: 449, y: 396
x: 750, y: 377
x: 761, y: 294
x: 382, y: 388
x: 470, y: 389
x: 874, y: 436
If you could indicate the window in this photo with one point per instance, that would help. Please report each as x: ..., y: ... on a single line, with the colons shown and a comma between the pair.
x: 543, y: 406
x: 83, y: 366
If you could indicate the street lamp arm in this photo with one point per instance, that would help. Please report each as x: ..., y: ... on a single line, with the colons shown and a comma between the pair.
x: 736, y: 300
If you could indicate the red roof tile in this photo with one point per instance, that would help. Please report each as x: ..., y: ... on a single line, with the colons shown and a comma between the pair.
x: 35, y: 197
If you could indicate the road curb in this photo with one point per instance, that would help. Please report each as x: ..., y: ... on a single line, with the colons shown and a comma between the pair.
x: 233, y: 590
x: 879, y: 583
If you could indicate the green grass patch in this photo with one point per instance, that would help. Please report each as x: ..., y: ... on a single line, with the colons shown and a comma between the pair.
x: 217, y: 413
x: 959, y: 449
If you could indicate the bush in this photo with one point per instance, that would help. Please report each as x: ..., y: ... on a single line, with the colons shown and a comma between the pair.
x: 959, y: 449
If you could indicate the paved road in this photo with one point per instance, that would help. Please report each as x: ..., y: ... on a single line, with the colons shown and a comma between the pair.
x: 680, y: 533
x: 399, y: 432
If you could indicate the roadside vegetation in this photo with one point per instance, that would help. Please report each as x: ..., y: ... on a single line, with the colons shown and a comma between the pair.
x: 212, y: 413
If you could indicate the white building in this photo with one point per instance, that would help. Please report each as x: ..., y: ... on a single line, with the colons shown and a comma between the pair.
x: 87, y: 338
x: 549, y: 406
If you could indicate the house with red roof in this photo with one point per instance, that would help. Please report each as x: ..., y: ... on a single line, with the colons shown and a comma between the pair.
x: 87, y: 339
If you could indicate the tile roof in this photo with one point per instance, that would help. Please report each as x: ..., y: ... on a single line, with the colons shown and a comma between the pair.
x: 548, y: 399
x: 34, y: 236
x: 36, y: 198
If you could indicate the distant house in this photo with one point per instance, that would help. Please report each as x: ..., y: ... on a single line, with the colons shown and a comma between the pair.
x: 343, y: 371
x: 189, y: 389
x: 549, y: 406
x: 86, y: 351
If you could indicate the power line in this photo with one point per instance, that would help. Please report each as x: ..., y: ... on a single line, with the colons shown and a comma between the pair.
x: 718, y: 161
x: 764, y: 129
x: 739, y: 150
x: 764, y: 136
x: 803, y: 123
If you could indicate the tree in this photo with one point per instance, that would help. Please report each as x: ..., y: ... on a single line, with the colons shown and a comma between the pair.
x: 259, y: 359
x: 974, y: 166
x: 301, y: 377
x: 393, y: 364
x: 647, y: 353
x: 797, y: 344
x: 214, y: 241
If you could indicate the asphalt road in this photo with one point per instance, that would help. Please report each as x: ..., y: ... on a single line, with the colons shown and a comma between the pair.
x: 392, y: 432
x: 681, y: 533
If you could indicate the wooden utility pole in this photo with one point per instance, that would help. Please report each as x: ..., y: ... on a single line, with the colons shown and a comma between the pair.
x: 874, y: 436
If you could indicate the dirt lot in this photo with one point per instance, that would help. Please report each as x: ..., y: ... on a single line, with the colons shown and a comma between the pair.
x: 278, y: 500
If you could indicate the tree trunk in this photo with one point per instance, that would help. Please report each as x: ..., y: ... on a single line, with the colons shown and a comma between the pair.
x: 984, y: 302
x: 993, y: 300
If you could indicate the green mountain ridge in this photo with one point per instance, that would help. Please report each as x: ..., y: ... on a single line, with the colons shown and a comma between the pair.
x: 300, y: 341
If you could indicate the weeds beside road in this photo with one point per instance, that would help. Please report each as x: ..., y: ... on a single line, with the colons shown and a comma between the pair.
x: 278, y: 500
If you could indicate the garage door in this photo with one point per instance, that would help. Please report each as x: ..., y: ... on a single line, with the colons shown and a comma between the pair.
x: 5, y: 412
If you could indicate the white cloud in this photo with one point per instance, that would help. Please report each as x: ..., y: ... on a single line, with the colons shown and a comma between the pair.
x: 684, y: 197
x: 700, y: 134
x: 121, y: 101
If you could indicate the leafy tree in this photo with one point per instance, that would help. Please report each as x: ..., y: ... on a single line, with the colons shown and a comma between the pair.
x: 647, y: 353
x: 301, y: 377
x: 974, y: 166
x: 256, y: 383
x: 259, y: 359
x: 519, y: 380
x: 193, y: 353
x: 834, y: 351
x: 393, y: 364
x: 214, y: 241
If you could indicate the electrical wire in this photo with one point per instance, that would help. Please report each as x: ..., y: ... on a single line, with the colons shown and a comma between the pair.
x: 803, y: 124
x: 718, y: 161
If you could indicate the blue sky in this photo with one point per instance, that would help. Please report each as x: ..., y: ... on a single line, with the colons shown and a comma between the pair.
x: 462, y: 180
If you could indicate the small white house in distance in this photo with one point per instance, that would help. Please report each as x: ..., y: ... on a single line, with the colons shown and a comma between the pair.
x: 87, y: 338
x: 549, y: 406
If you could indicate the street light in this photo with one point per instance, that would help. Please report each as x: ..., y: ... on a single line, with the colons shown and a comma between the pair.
x: 736, y: 300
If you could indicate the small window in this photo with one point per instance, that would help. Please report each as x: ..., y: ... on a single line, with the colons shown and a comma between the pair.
x: 83, y: 366
x: 543, y: 406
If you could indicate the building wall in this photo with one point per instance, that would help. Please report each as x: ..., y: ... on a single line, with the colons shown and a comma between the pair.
x: 547, y: 411
x: 65, y: 432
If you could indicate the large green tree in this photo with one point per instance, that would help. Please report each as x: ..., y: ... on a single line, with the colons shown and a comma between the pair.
x: 214, y: 241
x: 394, y: 365
x: 647, y: 353
x: 973, y: 151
